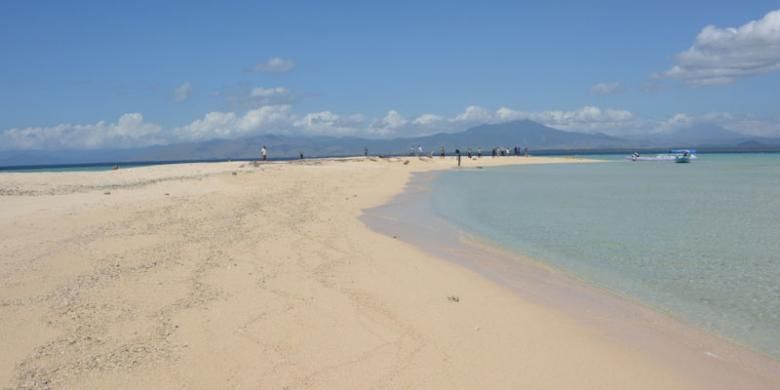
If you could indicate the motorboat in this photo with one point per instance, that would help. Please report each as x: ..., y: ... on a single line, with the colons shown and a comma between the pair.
x: 675, y: 155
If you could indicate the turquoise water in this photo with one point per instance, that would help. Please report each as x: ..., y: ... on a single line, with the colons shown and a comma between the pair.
x: 700, y: 241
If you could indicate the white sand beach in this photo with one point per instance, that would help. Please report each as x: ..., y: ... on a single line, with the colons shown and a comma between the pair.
x: 229, y: 275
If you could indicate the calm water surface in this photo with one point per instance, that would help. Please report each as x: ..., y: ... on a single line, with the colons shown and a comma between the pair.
x: 700, y: 241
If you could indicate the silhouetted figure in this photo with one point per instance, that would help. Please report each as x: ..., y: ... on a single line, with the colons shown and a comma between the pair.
x: 365, y: 152
x: 442, y: 152
x: 457, y: 153
x: 301, y: 155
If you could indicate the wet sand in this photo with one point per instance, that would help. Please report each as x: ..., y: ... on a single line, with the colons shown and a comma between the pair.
x: 226, y: 275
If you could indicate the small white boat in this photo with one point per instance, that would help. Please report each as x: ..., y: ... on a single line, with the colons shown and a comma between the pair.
x: 676, y: 155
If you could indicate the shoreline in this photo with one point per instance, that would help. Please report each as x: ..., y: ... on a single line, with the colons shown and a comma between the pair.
x: 223, y: 275
x: 717, y: 360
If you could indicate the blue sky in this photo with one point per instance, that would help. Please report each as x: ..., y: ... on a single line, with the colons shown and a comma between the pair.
x: 118, y: 74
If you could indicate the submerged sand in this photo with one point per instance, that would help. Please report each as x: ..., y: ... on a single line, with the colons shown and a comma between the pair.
x: 227, y: 275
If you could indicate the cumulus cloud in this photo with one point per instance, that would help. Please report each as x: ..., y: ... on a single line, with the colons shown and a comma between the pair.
x: 230, y: 125
x: 588, y: 118
x: 474, y: 114
x: 182, y: 92
x: 585, y: 119
x: 427, y: 119
x: 129, y: 131
x: 723, y: 55
x: 602, y: 89
x: 275, y: 65
x: 388, y: 125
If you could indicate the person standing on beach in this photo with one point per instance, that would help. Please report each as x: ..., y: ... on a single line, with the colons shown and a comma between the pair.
x: 264, y: 153
x: 365, y: 151
x: 479, y: 152
x: 419, y: 150
x: 442, y: 152
x: 457, y: 153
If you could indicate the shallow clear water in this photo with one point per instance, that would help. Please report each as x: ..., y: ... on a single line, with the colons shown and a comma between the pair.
x: 700, y: 240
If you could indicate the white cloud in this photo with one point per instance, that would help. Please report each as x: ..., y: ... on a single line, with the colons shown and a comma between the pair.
x: 182, y: 92
x: 585, y: 119
x: 275, y: 65
x: 229, y: 125
x: 723, y: 55
x: 213, y: 125
x: 129, y: 131
x: 268, y: 92
x: 588, y: 118
x: 389, y: 125
x: 504, y: 114
x: 602, y: 89
x: 265, y: 118
x: 474, y: 114
x: 427, y: 119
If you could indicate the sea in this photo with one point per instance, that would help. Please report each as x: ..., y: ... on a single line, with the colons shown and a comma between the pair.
x: 699, y: 241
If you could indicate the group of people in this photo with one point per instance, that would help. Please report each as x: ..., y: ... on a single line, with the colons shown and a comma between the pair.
x: 496, y: 152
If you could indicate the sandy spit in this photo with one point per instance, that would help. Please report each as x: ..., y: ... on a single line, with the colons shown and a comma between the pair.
x: 227, y: 275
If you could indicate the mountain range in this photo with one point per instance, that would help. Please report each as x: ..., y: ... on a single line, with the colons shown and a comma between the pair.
x: 522, y: 133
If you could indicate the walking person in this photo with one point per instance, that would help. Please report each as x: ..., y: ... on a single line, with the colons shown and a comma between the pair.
x: 264, y: 153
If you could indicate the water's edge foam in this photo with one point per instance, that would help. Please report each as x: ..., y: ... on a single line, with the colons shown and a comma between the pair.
x: 693, y: 351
